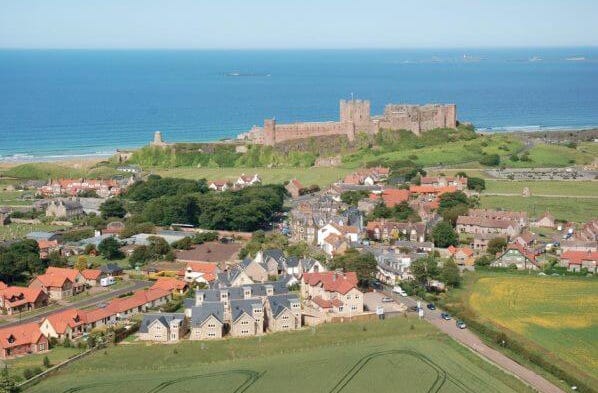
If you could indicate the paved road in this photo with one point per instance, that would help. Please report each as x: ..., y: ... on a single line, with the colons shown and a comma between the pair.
x: 470, y: 340
x: 82, y: 303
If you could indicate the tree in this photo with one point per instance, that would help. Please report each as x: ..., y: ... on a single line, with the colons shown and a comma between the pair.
x: 7, y: 383
x: 139, y: 256
x: 81, y: 263
x: 424, y: 269
x: 444, y: 235
x: 484, y: 260
x: 381, y: 211
x: 449, y: 274
x: 157, y: 247
x: 109, y: 248
x: 113, y: 207
x: 56, y: 259
x: 362, y: 263
x: 353, y: 197
x: 490, y: 160
x: 496, y: 245
x: 90, y: 248
x: 476, y: 183
x: 184, y: 244
x: 46, y: 362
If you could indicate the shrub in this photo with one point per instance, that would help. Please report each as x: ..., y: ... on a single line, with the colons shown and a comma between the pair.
x: 490, y: 160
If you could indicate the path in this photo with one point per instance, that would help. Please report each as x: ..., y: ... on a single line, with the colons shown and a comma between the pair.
x: 467, y: 338
x: 81, y: 303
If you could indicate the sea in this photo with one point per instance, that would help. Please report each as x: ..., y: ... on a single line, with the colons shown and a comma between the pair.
x: 58, y: 104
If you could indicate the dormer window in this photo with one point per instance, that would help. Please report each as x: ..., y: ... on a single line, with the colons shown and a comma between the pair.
x: 11, y: 339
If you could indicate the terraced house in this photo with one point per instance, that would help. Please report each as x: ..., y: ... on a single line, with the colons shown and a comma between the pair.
x: 163, y: 327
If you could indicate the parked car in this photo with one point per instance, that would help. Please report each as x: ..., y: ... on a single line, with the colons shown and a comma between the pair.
x: 387, y: 300
x: 431, y: 306
x: 413, y: 308
x: 461, y: 324
x: 376, y: 284
x: 398, y: 290
x: 446, y: 316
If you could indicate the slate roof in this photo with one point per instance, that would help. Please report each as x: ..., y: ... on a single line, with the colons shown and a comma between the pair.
x: 239, y: 307
x: 163, y: 318
x: 279, y: 303
x: 201, y: 313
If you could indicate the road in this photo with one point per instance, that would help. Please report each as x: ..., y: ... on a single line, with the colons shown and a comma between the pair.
x: 467, y: 338
x: 82, y: 303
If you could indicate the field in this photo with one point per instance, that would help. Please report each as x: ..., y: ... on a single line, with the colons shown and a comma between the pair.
x: 547, y: 187
x: 57, y: 355
x: 555, y: 313
x: 573, y: 209
x: 544, y: 155
x: 16, y: 231
x: 307, y: 176
x: 376, y: 356
x: 13, y: 198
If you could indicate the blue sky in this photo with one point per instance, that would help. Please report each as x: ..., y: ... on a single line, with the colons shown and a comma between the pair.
x: 247, y: 24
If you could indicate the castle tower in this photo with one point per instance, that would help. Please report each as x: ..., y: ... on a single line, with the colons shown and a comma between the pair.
x: 356, y: 112
x: 270, y: 132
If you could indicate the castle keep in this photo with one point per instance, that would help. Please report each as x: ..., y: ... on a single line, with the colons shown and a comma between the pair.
x: 355, y: 116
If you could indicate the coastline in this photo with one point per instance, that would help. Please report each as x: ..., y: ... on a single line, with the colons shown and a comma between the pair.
x: 82, y: 160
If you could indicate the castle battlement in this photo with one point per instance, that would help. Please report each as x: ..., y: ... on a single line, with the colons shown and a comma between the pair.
x: 355, y: 116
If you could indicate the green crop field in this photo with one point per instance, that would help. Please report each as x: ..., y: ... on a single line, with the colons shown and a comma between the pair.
x: 376, y: 356
x: 557, y: 314
x: 572, y: 209
x: 547, y: 187
x: 307, y: 176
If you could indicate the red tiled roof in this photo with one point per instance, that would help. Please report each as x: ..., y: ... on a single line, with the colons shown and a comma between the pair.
x: 465, y: 250
x: 332, y: 281
x: 210, y: 252
x: 24, y: 334
x: 138, y: 299
x: 392, y: 196
x: 91, y: 274
x: 577, y: 257
x: 169, y: 284
x: 70, y: 317
x: 16, y: 296
x: 52, y: 280
x: 43, y: 244
x: 323, y: 303
x: 3, y: 285
x: 297, y: 184
x: 70, y: 273
x: 431, y: 189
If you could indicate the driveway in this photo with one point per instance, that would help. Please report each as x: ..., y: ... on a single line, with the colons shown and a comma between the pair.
x: 81, y: 303
x: 467, y: 338
x: 374, y: 299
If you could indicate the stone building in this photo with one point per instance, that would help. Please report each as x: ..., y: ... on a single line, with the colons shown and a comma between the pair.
x: 163, y: 327
x: 355, y: 116
x: 64, y: 208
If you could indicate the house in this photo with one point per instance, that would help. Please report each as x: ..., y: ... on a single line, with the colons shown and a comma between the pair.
x: 91, y: 277
x: 64, y: 208
x: 335, y: 244
x: 516, y: 255
x: 247, y: 317
x: 480, y: 240
x: 391, y: 196
x: 200, y: 272
x: 22, y: 339
x: 73, y: 274
x: 19, y: 299
x: 480, y: 225
x: 297, y: 267
x: 546, y: 220
x: 111, y: 269
x: 114, y: 228
x: 525, y: 239
x: 367, y: 176
x: 333, y: 292
x: 283, y: 313
x: 46, y: 247
x: 56, y: 286
x: 245, y: 181
x: 163, y: 327
x: 459, y: 182
x: 273, y: 260
x: 351, y: 233
x: 62, y: 324
x: 431, y: 191
x: 140, y: 301
x: 171, y: 284
x: 235, y: 276
x: 463, y: 255
x: 207, y: 321
x: 219, y: 185
x: 387, y: 230
x: 294, y: 188
x: 574, y: 261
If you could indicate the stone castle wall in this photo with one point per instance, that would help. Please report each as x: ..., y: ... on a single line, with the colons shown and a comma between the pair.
x: 355, y: 116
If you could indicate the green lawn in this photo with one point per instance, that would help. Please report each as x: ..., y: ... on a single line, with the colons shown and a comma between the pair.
x: 544, y: 155
x: 17, y: 231
x: 56, y: 355
x: 372, y: 356
x: 97, y: 261
x: 573, y: 209
x: 547, y: 187
x: 13, y: 198
x: 557, y: 314
x: 307, y: 176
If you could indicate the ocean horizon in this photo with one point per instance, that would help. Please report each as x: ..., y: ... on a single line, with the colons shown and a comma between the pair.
x: 60, y: 104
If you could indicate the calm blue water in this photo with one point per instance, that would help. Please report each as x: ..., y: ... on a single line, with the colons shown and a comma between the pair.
x: 55, y: 103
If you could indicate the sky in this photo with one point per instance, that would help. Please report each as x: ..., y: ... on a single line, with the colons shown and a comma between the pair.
x: 296, y: 24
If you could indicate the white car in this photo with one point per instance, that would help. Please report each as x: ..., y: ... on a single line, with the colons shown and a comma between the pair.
x: 397, y: 289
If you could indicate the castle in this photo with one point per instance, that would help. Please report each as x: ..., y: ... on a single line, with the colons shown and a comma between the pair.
x: 355, y: 117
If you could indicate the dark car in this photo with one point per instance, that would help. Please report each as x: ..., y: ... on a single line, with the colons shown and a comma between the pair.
x: 461, y: 324
x: 376, y: 284
x: 446, y: 316
x: 431, y: 306
x: 413, y: 308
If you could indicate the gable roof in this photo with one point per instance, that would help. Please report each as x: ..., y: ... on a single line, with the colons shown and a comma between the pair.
x: 202, y: 313
x: 70, y: 317
x: 53, y: 280
x: 210, y: 252
x: 169, y: 284
x: 243, y: 306
x: 332, y: 281
x: 18, y: 335
x: 162, y: 318
x: 578, y: 257
x: 279, y: 303
x: 392, y: 196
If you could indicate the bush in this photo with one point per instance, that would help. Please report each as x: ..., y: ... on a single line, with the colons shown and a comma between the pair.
x: 46, y: 362
x: 490, y: 160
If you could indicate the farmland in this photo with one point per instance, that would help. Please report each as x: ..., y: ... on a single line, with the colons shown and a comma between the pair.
x: 577, y: 209
x: 17, y: 231
x: 555, y: 314
x: 380, y: 356
x: 547, y: 187
x: 307, y: 176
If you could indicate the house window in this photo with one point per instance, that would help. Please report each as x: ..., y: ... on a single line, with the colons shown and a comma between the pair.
x: 173, y: 336
x: 340, y: 309
x: 285, y: 317
x: 285, y: 326
x: 211, y: 334
x: 42, y: 347
x: 353, y: 307
x: 348, y: 297
x: 244, y: 322
x: 211, y: 325
x: 245, y: 331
